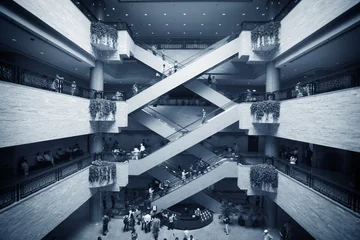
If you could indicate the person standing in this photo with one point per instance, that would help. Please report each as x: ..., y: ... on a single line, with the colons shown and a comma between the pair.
x: 135, y: 89
x: 126, y: 223
x: 162, y: 51
x: 175, y: 66
x: 226, y: 221
x: 142, y: 150
x: 186, y: 233
x: 25, y: 167
x: 106, y: 221
x: 171, y: 222
x: 163, y: 72
x: 267, y: 235
x: 213, y: 83
x: 73, y: 88
x: 203, y: 116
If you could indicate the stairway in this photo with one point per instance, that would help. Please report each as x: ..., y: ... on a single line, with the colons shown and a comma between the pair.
x: 190, y: 70
x: 181, y: 140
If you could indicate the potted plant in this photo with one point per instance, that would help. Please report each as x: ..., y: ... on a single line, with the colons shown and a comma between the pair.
x: 265, y: 111
x: 101, y: 173
x: 264, y: 177
x: 100, y: 109
x: 265, y: 37
x: 229, y: 209
x: 103, y: 36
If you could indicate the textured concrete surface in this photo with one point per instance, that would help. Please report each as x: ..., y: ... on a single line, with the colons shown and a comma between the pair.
x: 29, y: 115
x: 317, y: 214
x: 328, y: 119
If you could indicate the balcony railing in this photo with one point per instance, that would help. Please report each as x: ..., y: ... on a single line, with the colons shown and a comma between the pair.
x: 337, y: 192
x: 32, y: 184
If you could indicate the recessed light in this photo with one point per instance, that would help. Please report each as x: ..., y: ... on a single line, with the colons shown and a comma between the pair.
x: 104, y: 8
x: 42, y: 53
x: 184, y: 32
x: 168, y: 32
x: 113, y: 9
x: 204, y: 14
x: 263, y: 14
x: 78, y: 2
x: 202, y: 24
x: 152, y: 33
x: 216, y: 33
x: 164, y: 14
x: 237, y: 24
x: 337, y: 63
x: 266, y: 8
x: 126, y: 14
x: 295, y: 70
x: 184, y: 14
x: 224, y: 14
x: 219, y: 24
x: 243, y: 14
x: 248, y: 83
x: 145, y: 14
x: 272, y: 2
x: 184, y: 24
x: 200, y: 33
x: 136, y: 33
x: 279, y: 3
x: 14, y: 40
x: 76, y: 69
x: 257, y: 7
x: 107, y: 15
x: 87, y: 74
x: 149, y: 24
x: 166, y: 24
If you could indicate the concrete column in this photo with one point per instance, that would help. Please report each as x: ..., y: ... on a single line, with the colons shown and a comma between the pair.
x: 95, y: 211
x: 271, y: 210
x: 272, y: 77
x: 97, y: 76
x: 96, y: 143
x: 271, y: 146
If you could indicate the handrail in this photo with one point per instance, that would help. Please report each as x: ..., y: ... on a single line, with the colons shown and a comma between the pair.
x: 21, y: 189
x: 350, y: 198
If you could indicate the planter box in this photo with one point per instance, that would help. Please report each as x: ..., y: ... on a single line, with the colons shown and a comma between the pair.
x: 103, y: 44
x: 264, y: 44
x: 97, y: 118
x: 266, y: 187
x: 102, y: 175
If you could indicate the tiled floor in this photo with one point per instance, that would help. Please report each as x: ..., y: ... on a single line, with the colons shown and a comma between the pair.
x: 214, y: 231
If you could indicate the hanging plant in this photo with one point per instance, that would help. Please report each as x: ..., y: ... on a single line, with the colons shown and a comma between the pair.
x: 264, y: 177
x: 102, y: 108
x: 266, y: 37
x: 100, y: 32
x: 260, y: 109
x: 102, y: 173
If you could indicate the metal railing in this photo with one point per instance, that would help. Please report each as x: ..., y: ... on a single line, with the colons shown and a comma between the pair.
x: 337, y: 192
x: 26, y: 187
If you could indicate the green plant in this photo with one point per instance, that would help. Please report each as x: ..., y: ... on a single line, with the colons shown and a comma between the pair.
x: 263, y: 174
x: 102, y: 106
x: 259, y: 109
x: 229, y: 209
x: 270, y: 29
x: 102, y: 172
x: 99, y: 30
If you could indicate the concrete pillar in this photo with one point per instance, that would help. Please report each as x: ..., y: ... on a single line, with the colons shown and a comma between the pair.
x: 95, y: 211
x: 96, y: 143
x: 272, y: 77
x: 271, y: 210
x: 97, y: 76
x: 271, y: 146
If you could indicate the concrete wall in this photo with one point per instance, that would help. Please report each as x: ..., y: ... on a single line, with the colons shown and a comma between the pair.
x: 308, y: 17
x: 320, y: 216
x: 64, y: 17
x: 328, y: 119
x: 29, y: 115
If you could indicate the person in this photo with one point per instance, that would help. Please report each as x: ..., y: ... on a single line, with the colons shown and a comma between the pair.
x: 298, y: 90
x: 49, y: 158
x: 69, y: 153
x: 25, y: 167
x: 175, y: 66
x: 147, y: 221
x: 161, y: 188
x: 134, y: 235
x: 55, y: 85
x: 267, y: 235
x: 154, y: 49
x: 137, y: 215
x: 162, y: 51
x: 288, y: 230
x: 186, y: 233
x: 172, y: 218
x: 131, y: 222
x: 203, y: 116
x: 135, y: 153
x: 119, y: 96
x: 248, y: 95
x: 99, y: 238
x: 151, y: 192
x: 226, y: 221
x: 142, y: 150
x: 135, y: 89
x: 39, y: 158
x: 112, y: 200
x: 191, y: 237
x: 209, y: 80
x: 183, y: 175
x: 197, y: 212
x: 163, y: 71
x: 104, y: 202
x: 236, y: 149
x: 126, y: 223
x: 293, y: 159
x: 73, y: 88
x: 166, y: 186
x: 106, y: 221
x: 213, y: 83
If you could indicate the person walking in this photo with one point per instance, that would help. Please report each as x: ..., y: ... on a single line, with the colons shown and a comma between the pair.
x: 126, y: 223
x: 106, y: 221
x: 226, y: 221
x: 73, y: 88
x: 203, y: 116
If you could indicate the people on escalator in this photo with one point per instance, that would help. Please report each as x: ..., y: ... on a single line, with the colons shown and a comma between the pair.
x: 135, y: 89
x: 175, y: 66
x: 203, y: 116
x: 154, y: 49
x: 162, y: 52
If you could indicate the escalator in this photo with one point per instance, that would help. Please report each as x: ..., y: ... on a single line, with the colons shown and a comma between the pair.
x: 187, y: 137
x: 186, y: 70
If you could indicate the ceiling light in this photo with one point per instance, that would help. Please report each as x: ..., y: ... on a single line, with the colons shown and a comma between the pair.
x: 14, y: 40
x: 87, y: 74
x: 337, y: 63
x: 168, y: 32
x: 104, y: 8
x: 257, y: 7
x: 200, y: 33
x: 42, y: 53
x: 107, y: 15
x: 113, y: 9
x: 152, y: 33
x: 126, y: 14
x: 279, y: 3
x: 149, y: 24
x: 219, y: 24
x: 216, y: 33
x: 263, y: 14
x: 272, y: 2
x: 164, y: 14
x: 76, y: 69
x: 166, y: 24
x: 184, y: 14
x: 295, y: 70
x: 248, y: 82
x: 184, y: 24
x: 78, y: 2
x: 224, y: 14
x: 237, y: 24
x: 204, y: 14
x: 243, y: 14
x: 202, y: 24
x: 184, y: 32
x: 136, y: 33
x: 145, y: 14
